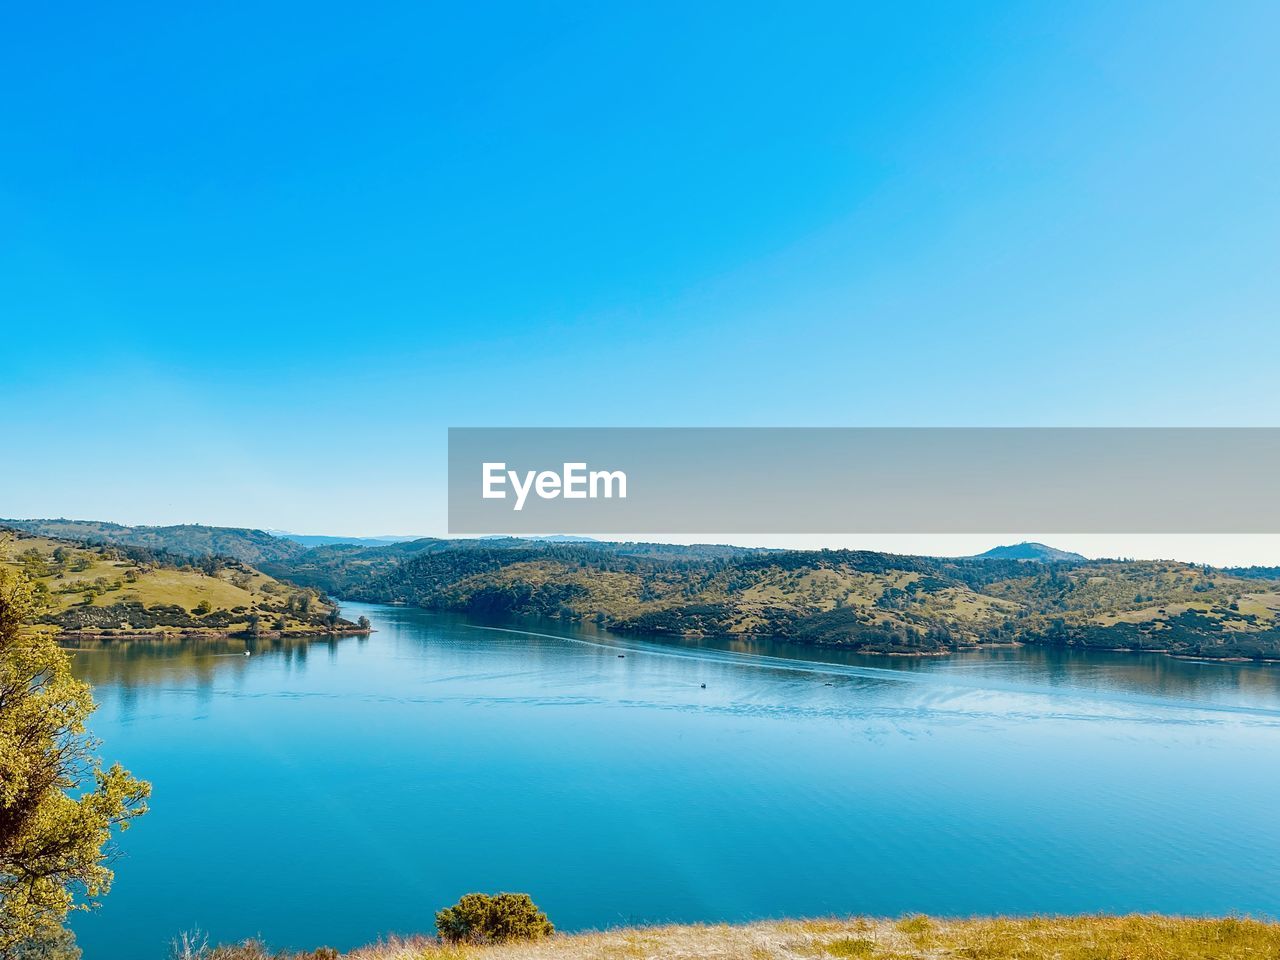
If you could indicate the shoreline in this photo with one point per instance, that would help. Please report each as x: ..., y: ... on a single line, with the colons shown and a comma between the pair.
x: 177, y: 633
x: 945, y: 652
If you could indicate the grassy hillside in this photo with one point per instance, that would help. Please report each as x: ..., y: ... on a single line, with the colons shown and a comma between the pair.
x: 346, y: 569
x: 188, y: 540
x: 111, y: 590
x: 913, y: 938
x: 872, y: 601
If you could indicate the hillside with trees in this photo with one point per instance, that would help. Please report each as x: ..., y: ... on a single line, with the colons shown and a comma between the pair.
x: 188, y: 540
x: 197, y: 579
x: 857, y: 599
x: 81, y: 589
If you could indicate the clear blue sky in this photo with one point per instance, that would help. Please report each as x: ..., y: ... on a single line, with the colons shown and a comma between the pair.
x: 256, y: 258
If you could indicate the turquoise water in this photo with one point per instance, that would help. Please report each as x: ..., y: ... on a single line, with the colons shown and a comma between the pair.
x: 334, y: 792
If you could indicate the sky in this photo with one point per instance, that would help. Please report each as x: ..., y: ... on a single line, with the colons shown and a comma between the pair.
x: 256, y: 259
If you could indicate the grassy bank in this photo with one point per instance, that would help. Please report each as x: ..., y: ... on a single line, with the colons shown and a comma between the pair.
x: 1060, y: 938
x: 96, y: 591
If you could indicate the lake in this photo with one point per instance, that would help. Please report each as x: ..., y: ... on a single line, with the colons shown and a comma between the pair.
x: 332, y: 792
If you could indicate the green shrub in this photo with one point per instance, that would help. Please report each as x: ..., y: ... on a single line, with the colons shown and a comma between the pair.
x: 502, y: 918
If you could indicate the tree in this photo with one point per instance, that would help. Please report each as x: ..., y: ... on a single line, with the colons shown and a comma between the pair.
x: 58, y: 805
x: 502, y: 918
x: 58, y: 943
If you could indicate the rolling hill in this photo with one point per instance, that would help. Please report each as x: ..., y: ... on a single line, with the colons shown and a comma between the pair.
x: 863, y: 600
x: 156, y: 577
x: 186, y: 540
x: 107, y: 590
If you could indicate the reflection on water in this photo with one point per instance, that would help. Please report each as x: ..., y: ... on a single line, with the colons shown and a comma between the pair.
x: 330, y: 792
x: 130, y: 663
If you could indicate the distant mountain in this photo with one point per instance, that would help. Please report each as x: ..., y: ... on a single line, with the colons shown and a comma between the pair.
x: 322, y: 540
x: 187, y: 540
x: 1029, y: 550
x: 326, y: 540
x: 552, y: 538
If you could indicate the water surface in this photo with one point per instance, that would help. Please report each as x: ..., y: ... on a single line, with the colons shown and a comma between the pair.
x: 332, y: 792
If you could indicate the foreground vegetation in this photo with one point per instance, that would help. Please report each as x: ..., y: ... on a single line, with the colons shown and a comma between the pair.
x: 913, y: 938
x: 59, y: 803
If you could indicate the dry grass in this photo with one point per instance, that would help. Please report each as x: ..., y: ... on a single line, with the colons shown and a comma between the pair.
x: 125, y: 581
x: 913, y: 938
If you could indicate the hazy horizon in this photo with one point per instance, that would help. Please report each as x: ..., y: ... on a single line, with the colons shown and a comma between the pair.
x: 1238, y: 550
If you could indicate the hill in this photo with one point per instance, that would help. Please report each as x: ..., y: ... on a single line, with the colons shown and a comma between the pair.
x: 1029, y: 550
x: 858, y: 599
x: 349, y: 570
x: 188, y: 540
x: 115, y: 591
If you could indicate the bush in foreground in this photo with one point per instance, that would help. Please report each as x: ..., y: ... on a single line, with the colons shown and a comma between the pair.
x: 503, y: 918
